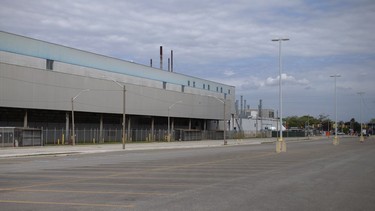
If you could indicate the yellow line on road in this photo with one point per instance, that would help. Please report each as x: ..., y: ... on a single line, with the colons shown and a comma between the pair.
x: 67, y: 203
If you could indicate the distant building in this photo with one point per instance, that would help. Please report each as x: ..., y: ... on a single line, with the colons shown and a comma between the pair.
x: 266, y: 113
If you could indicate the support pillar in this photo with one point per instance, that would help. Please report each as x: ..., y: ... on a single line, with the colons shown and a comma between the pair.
x: 101, y: 138
x: 152, y: 128
x: 129, y: 138
x: 25, y: 123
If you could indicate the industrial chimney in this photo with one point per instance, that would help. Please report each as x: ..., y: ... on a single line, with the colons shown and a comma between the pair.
x: 161, y: 57
x: 171, y: 60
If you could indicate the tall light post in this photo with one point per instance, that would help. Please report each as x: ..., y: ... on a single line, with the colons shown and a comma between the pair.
x: 280, y: 144
x: 335, y: 139
x: 224, y: 119
x: 123, y: 109
x: 361, y: 139
x: 73, y: 130
x: 169, y: 124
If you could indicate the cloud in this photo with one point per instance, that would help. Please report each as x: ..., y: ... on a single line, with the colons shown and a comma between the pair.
x: 229, y: 73
x: 251, y: 83
x: 286, y: 79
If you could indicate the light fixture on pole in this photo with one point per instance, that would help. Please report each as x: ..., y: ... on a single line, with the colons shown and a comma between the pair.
x: 280, y: 144
x: 123, y: 109
x: 361, y: 139
x: 169, y: 124
x: 224, y: 119
x: 335, y: 139
x: 73, y: 130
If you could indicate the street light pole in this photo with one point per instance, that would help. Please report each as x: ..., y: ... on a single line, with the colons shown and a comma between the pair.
x: 361, y: 139
x: 335, y: 139
x: 224, y: 119
x: 123, y: 118
x: 73, y: 130
x: 280, y: 144
x: 169, y: 124
x: 123, y: 109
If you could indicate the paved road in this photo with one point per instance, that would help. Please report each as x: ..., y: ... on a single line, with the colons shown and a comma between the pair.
x: 312, y: 175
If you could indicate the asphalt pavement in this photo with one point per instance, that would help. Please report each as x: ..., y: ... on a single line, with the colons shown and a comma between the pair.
x: 312, y: 175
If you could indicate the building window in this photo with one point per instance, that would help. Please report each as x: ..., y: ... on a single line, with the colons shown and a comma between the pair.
x: 204, y: 86
x: 217, y: 89
x: 221, y: 89
x: 208, y: 86
x: 188, y: 83
x: 182, y: 88
x: 228, y: 91
x: 164, y: 85
x: 49, y: 64
x: 193, y: 83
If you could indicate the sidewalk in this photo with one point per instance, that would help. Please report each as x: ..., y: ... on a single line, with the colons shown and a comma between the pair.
x: 59, y: 150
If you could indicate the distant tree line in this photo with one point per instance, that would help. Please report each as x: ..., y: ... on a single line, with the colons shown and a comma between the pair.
x: 323, y: 123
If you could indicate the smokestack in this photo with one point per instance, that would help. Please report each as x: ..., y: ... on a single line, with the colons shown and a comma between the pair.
x: 169, y: 64
x: 171, y: 60
x: 150, y: 62
x: 241, y: 105
x: 236, y: 105
x: 161, y: 57
x: 244, y: 107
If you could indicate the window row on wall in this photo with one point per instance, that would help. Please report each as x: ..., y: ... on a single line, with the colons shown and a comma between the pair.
x: 207, y: 87
x: 49, y: 66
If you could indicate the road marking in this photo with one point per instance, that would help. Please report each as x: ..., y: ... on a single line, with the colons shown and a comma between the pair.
x: 92, y: 192
x: 139, y: 184
x: 67, y: 203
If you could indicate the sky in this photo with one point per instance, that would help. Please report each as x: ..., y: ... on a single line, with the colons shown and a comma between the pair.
x: 228, y: 42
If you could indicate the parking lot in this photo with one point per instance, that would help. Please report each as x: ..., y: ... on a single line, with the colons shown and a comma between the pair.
x: 313, y: 175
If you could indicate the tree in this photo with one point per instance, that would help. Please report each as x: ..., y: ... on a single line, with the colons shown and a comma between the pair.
x: 302, y: 122
x: 324, y: 121
x: 353, y: 125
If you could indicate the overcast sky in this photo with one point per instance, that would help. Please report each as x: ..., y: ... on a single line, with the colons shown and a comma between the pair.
x: 228, y: 42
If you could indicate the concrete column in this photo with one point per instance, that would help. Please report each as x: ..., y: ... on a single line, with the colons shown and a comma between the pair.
x: 25, y: 123
x: 152, y: 128
x: 129, y: 138
x: 101, y: 138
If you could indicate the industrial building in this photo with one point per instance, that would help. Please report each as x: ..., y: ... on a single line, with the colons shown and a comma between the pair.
x: 42, y: 85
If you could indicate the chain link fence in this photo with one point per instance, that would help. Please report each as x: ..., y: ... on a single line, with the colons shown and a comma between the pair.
x: 94, y: 136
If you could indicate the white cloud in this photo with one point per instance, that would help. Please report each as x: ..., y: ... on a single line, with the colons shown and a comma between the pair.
x: 286, y: 79
x: 229, y: 73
